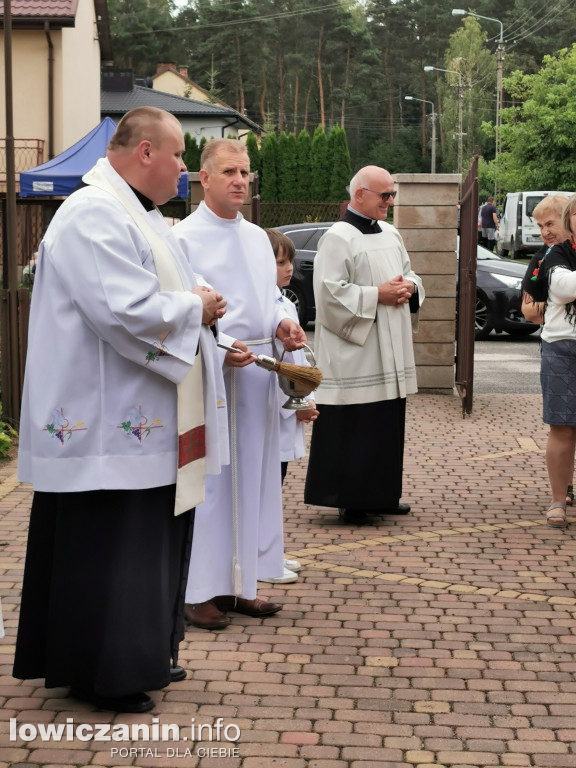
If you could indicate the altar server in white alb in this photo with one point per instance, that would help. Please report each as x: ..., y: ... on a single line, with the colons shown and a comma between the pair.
x: 365, y: 291
x: 123, y: 413
x: 238, y: 530
x: 292, y: 436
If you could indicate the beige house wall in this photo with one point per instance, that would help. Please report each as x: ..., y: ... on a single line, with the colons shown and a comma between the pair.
x: 29, y: 84
x: 209, y: 127
x: 170, y: 82
x: 77, y: 93
x: 426, y: 214
x: 76, y: 82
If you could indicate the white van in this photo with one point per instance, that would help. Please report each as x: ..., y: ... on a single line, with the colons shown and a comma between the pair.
x: 519, y: 233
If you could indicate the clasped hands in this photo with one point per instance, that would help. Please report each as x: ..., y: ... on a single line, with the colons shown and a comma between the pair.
x: 213, y: 304
x: 395, y: 292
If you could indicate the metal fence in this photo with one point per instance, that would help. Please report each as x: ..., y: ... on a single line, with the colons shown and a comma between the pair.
x: 33, y: 215
x: 32, y: 219
x: 28, y: 153
x: 276, y: 214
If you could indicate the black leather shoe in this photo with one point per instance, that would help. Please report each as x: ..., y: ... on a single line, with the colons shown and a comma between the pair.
x: 401, y: 509
x: 134, y: 702
x: 177, y: 674
x: 352, y: 516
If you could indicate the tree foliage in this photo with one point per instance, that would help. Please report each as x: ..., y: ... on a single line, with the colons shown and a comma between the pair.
x: 287, y: 168
x: 341, y: 172
x: 253, y: 151
x: 319, y: 166
x: 303, y: 152
x: 538, y: 132
x: 291, y: 65
x: 140, y: 32
x: 269, y: 187
x: 191, y: 154
x: 468, y: 55
x: 403, y: 157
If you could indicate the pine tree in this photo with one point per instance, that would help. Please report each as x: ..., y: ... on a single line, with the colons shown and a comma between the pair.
x: 269, y: 154
x: 341, y: 170
x: 320, y: 167
x: 214, y: 92
x: 253, y: 152
x: 292, y: 168
x: 303, y: 167
x: 201, y: 146
x: 140, y: 33
x: 287, y: 168
x: 191, y: 154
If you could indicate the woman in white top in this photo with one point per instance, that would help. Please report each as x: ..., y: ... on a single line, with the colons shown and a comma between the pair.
x: 556, y: 285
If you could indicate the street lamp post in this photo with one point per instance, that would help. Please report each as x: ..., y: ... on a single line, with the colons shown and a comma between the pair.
x: 424, y: 101
x: 454, y: 72
x: 499, y: 65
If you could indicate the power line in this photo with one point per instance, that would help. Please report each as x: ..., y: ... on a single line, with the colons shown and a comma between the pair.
x: 552, y: 14
x: 248, y: 20
x: 532, y: 23
x: 526, y: 17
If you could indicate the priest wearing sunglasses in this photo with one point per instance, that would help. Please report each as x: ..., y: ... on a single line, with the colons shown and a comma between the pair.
x: 365, y: 292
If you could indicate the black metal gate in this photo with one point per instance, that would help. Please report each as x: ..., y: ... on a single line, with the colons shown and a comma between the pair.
x: 466, y: 296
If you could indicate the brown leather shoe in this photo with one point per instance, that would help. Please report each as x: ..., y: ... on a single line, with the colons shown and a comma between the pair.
x: 256, y: 607
x: 205, y: 616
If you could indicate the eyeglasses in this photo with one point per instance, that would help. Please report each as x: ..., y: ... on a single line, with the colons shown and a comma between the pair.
x: 384, y: 195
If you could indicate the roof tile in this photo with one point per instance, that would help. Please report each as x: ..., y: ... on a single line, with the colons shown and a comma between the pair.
x: 44, y: 8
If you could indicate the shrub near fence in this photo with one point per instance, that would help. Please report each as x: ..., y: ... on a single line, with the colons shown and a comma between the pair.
x: 276, y: 214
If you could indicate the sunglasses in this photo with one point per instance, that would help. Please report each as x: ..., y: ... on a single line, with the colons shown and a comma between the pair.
x: 384, y: 195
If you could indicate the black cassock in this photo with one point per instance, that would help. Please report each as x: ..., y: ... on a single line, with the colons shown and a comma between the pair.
x: 357, y: 455
x: 357, y: 451
x: 103, y: 592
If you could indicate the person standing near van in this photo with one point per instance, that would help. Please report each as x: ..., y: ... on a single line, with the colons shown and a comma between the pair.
x: 489, y: 224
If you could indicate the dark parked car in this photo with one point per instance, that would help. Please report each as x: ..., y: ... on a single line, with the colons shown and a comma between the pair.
x: 300, y: 291
x: 498, y: 284
x: 499, y: 296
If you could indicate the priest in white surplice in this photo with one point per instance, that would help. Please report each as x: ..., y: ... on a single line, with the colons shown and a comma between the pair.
x: 365, y: 291
x: 119, y: 348
x: 238, y: 530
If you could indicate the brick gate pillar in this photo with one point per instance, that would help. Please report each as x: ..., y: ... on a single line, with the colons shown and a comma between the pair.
x: 426, y: 215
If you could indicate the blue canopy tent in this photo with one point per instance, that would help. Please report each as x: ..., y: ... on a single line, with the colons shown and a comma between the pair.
x: 61, y: 175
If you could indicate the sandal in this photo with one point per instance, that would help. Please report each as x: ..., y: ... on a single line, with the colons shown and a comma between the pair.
x: 570, y: 496
x: 556, y: 516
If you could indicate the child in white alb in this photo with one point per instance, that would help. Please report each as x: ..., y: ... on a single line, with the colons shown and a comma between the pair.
x: 292, y: 438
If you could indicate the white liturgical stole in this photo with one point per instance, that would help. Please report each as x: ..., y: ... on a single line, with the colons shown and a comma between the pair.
x: 191, y: 427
